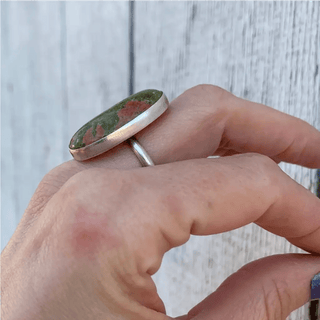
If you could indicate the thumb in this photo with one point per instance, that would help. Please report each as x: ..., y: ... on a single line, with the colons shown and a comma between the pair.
x: 269, y: 289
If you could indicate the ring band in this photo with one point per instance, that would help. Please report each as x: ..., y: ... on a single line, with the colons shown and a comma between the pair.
x: 118, y: 124
x: 140, y: 152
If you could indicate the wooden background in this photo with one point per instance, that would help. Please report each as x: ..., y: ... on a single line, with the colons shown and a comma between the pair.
x: 65, y: 62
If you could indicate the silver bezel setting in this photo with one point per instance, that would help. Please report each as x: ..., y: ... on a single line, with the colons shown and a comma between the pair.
x: 124, y: 133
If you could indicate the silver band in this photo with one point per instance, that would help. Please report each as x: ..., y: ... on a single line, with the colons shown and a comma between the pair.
x: 141, y: 154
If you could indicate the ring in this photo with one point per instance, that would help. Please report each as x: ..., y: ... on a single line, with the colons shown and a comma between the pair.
x: 119, y: 123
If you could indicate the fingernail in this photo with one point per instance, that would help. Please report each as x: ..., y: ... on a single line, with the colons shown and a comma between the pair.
x: 315, y: 287
x: 315, y: 298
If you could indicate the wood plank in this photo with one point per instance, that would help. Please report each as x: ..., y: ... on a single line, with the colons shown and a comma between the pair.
x: 266, y: 52
x: 31, y: 104
x: 63, y: 63
x: 97, y: 58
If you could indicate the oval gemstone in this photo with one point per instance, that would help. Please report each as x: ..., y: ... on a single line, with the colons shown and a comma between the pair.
x: 114, y: 118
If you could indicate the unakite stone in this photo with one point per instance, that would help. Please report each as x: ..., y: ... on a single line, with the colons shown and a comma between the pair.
x: 114, y: 118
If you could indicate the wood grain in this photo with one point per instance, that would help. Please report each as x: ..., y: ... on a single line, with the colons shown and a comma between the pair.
x: 97, y: 58
x: 33, y: 135
x: 64, y: 62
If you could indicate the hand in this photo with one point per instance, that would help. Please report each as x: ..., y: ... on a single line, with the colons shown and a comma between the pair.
x: 93, y: 234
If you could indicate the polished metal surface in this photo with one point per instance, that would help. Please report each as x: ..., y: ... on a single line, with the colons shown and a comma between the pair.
x: 124, y: 133
x: 141, y: 154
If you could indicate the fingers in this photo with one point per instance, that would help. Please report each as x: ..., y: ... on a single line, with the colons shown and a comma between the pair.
x: 210, y: 196
x: 207, y: 120
x: 269, y: 288
x: 204, y: 121
x: 253, y: 127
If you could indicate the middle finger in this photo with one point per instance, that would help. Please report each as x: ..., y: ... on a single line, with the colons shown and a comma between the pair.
x: 210, y: 196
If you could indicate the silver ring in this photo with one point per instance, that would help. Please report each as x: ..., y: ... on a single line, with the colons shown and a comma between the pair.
x: 118, y: 124
x: 141, y: 154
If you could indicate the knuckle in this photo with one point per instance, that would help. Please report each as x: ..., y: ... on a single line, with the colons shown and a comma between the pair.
x: 266, y: 164
x: 85, y: 176
x: 214, y: 91
x: 270, y: 171
x: 94, y: 202
x: 265, y: 173
x: 98, y: 185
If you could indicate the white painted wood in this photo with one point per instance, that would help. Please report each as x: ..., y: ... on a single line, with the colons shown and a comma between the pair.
x: 32, y: 132
x: 64, y: 62
x: 267, y: 52
x: 97, y: 58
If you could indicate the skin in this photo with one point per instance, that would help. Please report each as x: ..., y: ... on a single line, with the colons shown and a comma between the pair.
x: 95, y: 231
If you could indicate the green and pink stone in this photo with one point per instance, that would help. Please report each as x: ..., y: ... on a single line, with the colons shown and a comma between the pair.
x: 114, y: 118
